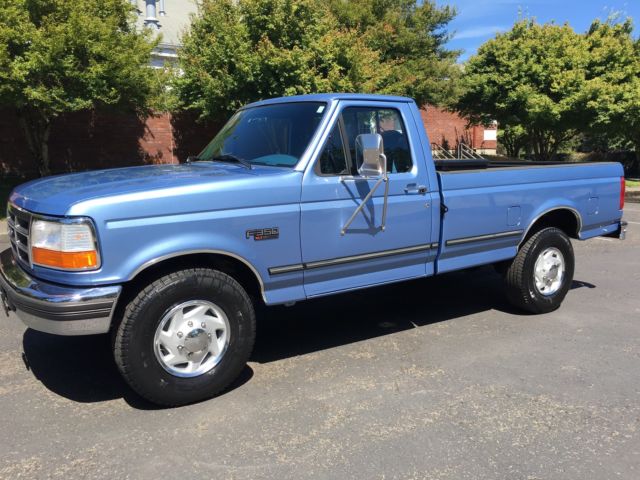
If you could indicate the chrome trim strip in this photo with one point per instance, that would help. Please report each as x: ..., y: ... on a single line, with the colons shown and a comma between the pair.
x: 352, y: 258
x: 480, y: 238
x: 153, y: 261
x: 540, y: 215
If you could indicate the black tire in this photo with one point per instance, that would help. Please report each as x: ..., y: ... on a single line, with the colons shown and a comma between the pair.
x: 520, y: 282
x: 134, y: 340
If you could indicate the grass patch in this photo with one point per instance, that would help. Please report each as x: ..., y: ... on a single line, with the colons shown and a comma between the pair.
x: 6, y: 185
x: 632, y: 183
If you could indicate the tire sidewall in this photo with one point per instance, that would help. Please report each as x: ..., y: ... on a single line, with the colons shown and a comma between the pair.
x: 142, y: 324
x: 549, y: 238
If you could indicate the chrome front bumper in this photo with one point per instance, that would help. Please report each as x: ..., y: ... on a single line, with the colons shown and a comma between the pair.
x: 53, y: 308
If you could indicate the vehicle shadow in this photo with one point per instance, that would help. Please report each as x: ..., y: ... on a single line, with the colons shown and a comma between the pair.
x: 82, y: 368
x: 360, y: 315
x: 342, y: 319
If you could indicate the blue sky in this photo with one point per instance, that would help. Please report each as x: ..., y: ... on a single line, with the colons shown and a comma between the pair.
x: 479, y: 20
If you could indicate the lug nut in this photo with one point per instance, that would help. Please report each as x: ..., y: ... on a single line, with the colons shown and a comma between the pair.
x: 179, y: 334
x: 203, y: 325
x: 180, y: 347
x: 190, y: 323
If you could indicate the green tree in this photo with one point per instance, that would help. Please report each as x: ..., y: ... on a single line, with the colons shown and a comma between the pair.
x: 241, y: 51
x: 411, y: 36
x: 513, y: 138
x: 613, y: 86
x: 533, y: 76
x: 60, y: 56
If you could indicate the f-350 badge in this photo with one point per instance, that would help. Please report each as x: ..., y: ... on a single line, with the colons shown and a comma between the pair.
x: 263, y: 233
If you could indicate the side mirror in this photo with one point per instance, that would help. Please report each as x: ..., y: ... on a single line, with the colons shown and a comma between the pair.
x: 372, y: 163
x: 370, y: 156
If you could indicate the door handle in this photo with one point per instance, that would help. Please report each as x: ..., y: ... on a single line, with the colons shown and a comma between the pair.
x: 413, y: 188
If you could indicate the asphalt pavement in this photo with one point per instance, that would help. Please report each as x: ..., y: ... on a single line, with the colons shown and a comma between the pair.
x: 437, y: 378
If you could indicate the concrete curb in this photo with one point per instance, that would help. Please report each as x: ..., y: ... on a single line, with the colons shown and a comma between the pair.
x: 632, y: 194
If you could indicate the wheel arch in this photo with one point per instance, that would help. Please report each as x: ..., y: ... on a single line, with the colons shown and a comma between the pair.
x: 231, y: 264
x: 565, y: 218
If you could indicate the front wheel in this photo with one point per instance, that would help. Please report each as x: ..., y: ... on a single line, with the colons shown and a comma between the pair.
x: 185, y: 337
x: 540, y: 276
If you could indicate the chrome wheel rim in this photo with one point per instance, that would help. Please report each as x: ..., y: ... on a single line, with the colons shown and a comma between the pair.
x: 192, y: 338
x: 549, y: 271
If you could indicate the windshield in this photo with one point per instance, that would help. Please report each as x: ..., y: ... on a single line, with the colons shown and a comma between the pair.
x: 275, y: 135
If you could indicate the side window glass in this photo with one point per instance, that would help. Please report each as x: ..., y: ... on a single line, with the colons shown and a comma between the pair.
x: 388, y: 123
x: 332, y: 159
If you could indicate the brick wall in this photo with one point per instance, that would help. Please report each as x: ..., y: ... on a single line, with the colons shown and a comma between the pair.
x: 447, y: 129
x: 89, y: 140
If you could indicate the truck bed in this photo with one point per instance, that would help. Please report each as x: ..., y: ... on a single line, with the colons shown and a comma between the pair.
x: 488, y: 209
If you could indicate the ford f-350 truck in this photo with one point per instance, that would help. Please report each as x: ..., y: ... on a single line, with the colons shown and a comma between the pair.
x: 293, y: 199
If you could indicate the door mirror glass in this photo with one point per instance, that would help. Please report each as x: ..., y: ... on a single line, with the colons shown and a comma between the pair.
x: 370, y: 157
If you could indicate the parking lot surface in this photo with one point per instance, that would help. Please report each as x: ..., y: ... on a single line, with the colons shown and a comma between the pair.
x: 438, y: 378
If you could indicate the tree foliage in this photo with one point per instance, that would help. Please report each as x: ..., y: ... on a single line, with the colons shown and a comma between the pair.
x: 59, y: 56
x: 532, y: 76
x: 613, y: 89
x: 513, y: 138
x: 241, y: 51
x: 411, y: 36
x: 545, y: 84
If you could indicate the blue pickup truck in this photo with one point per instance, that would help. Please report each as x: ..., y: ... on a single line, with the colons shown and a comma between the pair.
x: 294, y: 198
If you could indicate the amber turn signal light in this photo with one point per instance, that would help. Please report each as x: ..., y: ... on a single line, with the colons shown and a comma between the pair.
x: 66, y: 260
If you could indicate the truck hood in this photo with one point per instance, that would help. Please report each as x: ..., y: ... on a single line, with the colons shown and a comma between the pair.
x: 56, y: 195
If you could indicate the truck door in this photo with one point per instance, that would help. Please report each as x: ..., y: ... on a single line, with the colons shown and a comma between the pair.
x: 365, y: 254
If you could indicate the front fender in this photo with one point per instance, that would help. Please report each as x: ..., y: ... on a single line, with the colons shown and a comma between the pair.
x: 129, y: 246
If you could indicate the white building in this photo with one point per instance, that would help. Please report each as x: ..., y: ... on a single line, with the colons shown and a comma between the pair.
x: 170, y: 18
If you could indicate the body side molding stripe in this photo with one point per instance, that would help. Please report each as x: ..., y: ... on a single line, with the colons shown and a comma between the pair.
x: 353, y: 258
x: 480, y: 238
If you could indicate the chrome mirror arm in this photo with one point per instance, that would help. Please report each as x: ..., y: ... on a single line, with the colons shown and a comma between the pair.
x: 385, y: 179
x: 386, y: 196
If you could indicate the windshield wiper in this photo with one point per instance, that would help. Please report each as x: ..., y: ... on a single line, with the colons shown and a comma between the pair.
x: 221, y: 158
x: 232, y: 159
x: 273, y: 164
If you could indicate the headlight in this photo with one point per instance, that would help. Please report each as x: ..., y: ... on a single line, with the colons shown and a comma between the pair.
x: 67, y: 246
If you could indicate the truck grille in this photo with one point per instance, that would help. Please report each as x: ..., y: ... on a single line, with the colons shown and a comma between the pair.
x: 19, y: 226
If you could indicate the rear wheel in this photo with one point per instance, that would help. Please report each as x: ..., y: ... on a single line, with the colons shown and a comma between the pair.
x: 185, y: 337
x: 540, y: 276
